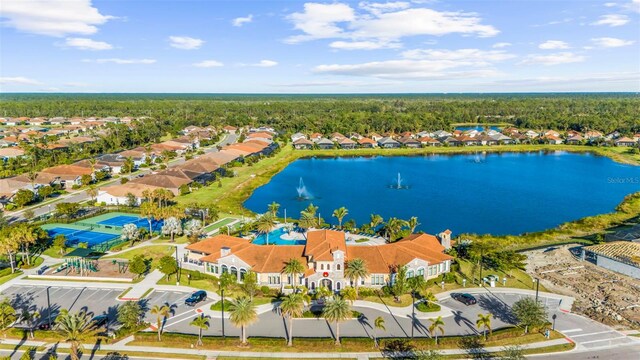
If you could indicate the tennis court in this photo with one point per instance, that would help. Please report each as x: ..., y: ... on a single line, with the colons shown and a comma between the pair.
x: 75, y: 236
x: 122, y: 220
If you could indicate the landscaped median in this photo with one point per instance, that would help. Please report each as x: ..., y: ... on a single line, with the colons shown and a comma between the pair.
x: 499, y: 338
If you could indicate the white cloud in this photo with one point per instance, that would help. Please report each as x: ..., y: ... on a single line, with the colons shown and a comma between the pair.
x: 265, y: 63
x: 554, y: 59
x: 501, y: 45
x: 53, y: 17
x: 608, y: 42
x: 612, y: 20
x: 87, y: 44
x: 553, y: 45
x: 239, y: 21
x: 381, y: 23
x: 476, y: 56
x: 425, y: 64
x: 18, y: 80
x: 121, y: 61
x: 185, y: 42
x: 610, y: 4
x: 76, y: 84
x: 634, y: 6
x: 208, y: 64
x: 364, y: 45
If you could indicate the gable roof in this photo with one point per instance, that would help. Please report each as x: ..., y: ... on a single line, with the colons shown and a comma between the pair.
x: 322, y: 243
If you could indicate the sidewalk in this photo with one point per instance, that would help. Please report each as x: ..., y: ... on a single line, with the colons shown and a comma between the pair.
x: 140, y: 289
x: 123, y: 348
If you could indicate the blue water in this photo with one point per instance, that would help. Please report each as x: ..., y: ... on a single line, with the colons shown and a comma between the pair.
x: 478, y: 127
x: 509, y: 193
x: 276, y: 239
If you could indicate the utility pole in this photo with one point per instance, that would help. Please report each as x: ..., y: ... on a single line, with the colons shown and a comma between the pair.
x: 222, y: 293
x: 178, y: 264
x: 49, y: 309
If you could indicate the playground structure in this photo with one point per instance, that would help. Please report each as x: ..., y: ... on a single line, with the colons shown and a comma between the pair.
x: 79, y: 265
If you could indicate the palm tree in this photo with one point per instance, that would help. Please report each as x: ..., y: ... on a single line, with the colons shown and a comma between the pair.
x: 293, y: 267
x: 76, y: 328
x: 349, y: 294
x: 25, y: 236
x: 273, y: 208
x: 7, y: 314
x: 378, y: 323
x: 484, y: 321
x: 436, y: 325
x: 355, y: 270
x: 413, y: 224
x: 31, y: 318
x: 242, y: 314
x: 307, y: 220
x: 375, y: 221
x: 292, y: 307
x: 394, y: 226
x: 265, y: 224
x: 92, y: 191
x: 337, y: 310
x: 161, y: 312
x: 202, y: 323
x: 339, y: 214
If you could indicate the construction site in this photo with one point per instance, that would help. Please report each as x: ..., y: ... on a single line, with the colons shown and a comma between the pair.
x: 600, y: 294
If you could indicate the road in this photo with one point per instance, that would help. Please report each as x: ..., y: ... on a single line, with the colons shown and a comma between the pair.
x: 81, y: 195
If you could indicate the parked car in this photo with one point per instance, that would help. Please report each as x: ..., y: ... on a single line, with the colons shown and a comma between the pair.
x: 465, y: 298
x: 43, y: 270
x: 196, y: 297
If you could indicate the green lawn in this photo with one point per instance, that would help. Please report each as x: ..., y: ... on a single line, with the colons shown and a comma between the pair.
x: 9, y: 277
x: 155, y: 252
x: 218, y: 224
x: 199, y: 281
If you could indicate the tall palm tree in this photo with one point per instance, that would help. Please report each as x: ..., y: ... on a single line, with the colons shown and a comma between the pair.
x: 375, y: 221
x: 265, y: 224
x: 292, y: 307
x: 293, y: 267
x: 339, y: 214
x: 484, y: 321
x: 378, y: 324
x: 242, y: 314
x: 437, y: 324
x: 355, y: 270
x: 92, y: 191
x: 76, y: 328
x: 413, y: 224
x: 161, y: 312
x: 273, y: 208
x: 25, y: 236
x: 202, y: 323
x: 337, y: 310
x: 393, y: 227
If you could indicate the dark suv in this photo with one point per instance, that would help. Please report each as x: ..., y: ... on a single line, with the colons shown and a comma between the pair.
x: 465, y: 298
x: 196, y: 297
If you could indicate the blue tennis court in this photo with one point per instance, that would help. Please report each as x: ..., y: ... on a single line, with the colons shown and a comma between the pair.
x: 75, y: 236
x: 122, y: 220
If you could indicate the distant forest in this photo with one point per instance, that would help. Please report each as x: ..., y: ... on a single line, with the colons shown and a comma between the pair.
x: 344, y: 113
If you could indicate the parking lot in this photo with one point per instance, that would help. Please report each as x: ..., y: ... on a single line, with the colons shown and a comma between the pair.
x: 96, y: 301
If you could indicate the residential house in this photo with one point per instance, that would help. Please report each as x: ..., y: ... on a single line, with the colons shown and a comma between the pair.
x: 485, y: 139
x: 297, y: 136
x: 575, y: 140
x: 367, y: 143
x: 429, y: 141
x: 324, y: 143
x: 347, y: 143
x: 302, y: 144
x: 625, y: 141
x: 468, y: 140
x: 230, y: 129
x: 315, y: 137
x: 552, y: 139
x: 410, y: 142
x: 336, y: 136
x: 531, y: 134
x: 388, y: 143
x: 375, y: 137
x: 67, y: 176
x: 441, y: 134
x: 11, y: 152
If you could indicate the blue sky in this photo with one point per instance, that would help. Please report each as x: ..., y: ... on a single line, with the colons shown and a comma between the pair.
x: 319, y: 47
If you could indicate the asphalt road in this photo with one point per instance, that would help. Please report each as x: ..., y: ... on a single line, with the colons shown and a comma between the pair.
x: 79, y: 196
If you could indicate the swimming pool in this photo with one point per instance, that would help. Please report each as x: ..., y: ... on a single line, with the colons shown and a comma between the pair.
x: 275, y: 238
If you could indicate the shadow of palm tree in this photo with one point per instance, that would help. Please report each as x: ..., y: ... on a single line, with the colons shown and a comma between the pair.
x: 498, y: 308
x: 461, y: 320
x: 473, y: 347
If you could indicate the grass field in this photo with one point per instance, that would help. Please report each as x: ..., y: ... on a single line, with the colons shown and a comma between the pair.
x: 220, y: 223
x: 155, y: 252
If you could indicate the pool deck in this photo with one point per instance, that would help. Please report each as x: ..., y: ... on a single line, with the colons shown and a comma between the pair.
x: 294, y: 236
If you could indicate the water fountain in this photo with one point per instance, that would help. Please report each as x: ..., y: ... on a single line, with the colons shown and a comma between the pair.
x: 303, y: 192
x: 398, y: 184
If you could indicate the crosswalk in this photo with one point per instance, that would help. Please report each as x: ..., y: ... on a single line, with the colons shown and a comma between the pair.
x: 598, y: 339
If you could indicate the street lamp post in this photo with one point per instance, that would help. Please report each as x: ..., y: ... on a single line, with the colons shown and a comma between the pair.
x: 177, y: 263
x: 413, y: 312
x: 49, y: 308
x: 222, y: 293
x: 537, y: 288
x: 553, y: 327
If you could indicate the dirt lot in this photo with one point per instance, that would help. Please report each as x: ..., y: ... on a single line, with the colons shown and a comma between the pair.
x: 600, y: 294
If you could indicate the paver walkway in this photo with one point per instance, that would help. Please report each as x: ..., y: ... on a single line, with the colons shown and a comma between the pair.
x: 140, y: 289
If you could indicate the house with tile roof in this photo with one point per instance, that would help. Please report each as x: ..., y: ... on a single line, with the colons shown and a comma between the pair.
x: 324, y: 257
x: 619, y: 256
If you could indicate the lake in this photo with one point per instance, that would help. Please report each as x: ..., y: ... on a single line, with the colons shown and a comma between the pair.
x: 478, y: 128
x: 497, y: 193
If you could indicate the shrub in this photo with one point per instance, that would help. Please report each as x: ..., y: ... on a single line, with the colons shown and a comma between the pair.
x: 426, y: 306
x: 364, y: 292
x: 124, y: 180
x: 265, y: 290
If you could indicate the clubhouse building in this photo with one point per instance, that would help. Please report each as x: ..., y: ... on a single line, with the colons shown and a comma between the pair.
x: 324, y: 257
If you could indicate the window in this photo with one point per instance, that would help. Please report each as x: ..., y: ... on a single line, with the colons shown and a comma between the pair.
x: 225, y: 269
x: 338, y: 267
x: 410, y: 274
x: 421, y: 272
x: 328, y: 266
x: 338, y: 286
x: 321, y: 266
x: 377, y: 279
